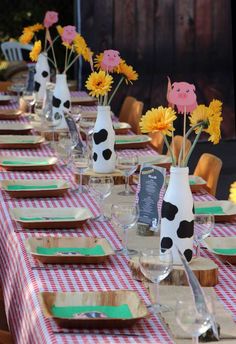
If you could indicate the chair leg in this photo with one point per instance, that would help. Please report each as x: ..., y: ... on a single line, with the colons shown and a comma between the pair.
x: 5, y: 337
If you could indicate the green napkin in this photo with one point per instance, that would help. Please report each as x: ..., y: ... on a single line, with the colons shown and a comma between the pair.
x: 24, y: 141
x: 210, y: 210
x: 121, y: 311
x: 129, y: 141
x: 87, y: 251
x: 30, y: 187
x: 192, y: 182
x: 47, y: 218
x: 227, y: 251
x: 10, y: 162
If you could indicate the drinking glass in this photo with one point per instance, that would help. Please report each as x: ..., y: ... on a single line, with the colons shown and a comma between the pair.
x: 101, y: 187
x: 29, y: 98
x: 63, y: 147
x: 126, y: 214
x: 127, y: 166
x: 80, y: 164
x: 87, y: 125
x: 192, y: 320
x: 156, y: 266
x: 203, y: 225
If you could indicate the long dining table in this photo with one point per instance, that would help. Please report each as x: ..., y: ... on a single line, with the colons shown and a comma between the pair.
x: 22, y: 278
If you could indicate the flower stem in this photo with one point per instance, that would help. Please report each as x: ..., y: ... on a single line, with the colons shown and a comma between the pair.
x: 45, y: 40
x: 115, y: 90
x: 66, y: 57
x: 185, y: 163
x: 53, y: 53
x: 52, y: 43
x: 170, y: 150
x: 71, y: 51
x: 68, y: 67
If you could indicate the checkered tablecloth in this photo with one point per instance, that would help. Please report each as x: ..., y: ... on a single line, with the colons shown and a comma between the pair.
x: 22, y: 284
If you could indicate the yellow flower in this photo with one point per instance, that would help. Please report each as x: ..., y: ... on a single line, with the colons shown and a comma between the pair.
x: 68, y: 46
x: 214, y: 128
x: 79, y: 44
x: 99, y: 83
x: 216, y: 106
x: 87, y: 54
x: 128, y: 72
x: 158, y: 119
x: 26, y: 37
x: 36, y: 27
x: 232, y: 195
x: 59, y: 29
x: 35, y: 51
x: 98, y: 61
x: 202, y: 113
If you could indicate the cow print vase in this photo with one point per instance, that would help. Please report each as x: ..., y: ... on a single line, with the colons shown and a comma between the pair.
x: 104, y: 158
x: 177, y: 218
x: 42, y: 76
x: 61, y: 101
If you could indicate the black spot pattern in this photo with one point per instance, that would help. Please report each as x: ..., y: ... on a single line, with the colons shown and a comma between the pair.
x: 100, y: 136
x: 188, y: 254
x: 168, y: 211
x: 185, y: 229
x: 107, y: 154
x: 56, y: 102
x: 166, y: 243
x: 36, y: 86
x: 67, y: 104
x: 95, y: 156
x: 44, y: 74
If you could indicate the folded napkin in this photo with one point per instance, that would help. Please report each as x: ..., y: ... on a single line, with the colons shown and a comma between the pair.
x: 12, y: 162
x: 226, y: 251
x: 209, y: 210
x: 121, y: 311
x: 86, y: 251
x: 46, y: 218
x: 30, y: 187
x: 129, y: 141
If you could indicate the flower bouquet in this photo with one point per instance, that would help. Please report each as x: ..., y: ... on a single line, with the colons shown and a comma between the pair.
x: 99, y: 84
x: 177, y: 218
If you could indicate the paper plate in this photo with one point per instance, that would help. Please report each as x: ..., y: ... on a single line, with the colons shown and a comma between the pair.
x: 10, y: 114
x: 85, y: 101
x: 224, y: 247
x: 83, y: 250
x: 20, y: 141
x: 223, y: 211
x: 158, y: 160
x: 5, y: 99
x: 35, y: 188
x: 50, y: 217
x: 196, y: 183
x: 15, y: 128
x: 121, y: 127
x: 131, y: 141
x: 27, y: 163
x: 110, y: 309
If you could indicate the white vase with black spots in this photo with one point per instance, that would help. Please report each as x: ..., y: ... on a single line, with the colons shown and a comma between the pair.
x: 61, y: 101
x: 104, y: 158
x: 177, y: 217
x: 41, y: 76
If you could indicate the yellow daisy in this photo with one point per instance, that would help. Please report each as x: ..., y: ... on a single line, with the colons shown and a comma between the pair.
x: 98, y: 61
x: 216, y: 106
x: 129, y: 73
x: 26, y: 37
x: 35, y: 51
x: 87, y: 54
x: 232, y: 195
x: 59, y: 29
x: 99, y: 83
x: 68, y: 46
x: 214, y: 128
x: 201, y: 114
x: 36, y: 27
x: 158, y: 119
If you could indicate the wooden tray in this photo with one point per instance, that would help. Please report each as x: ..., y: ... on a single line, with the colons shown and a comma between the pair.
x: 35, y: 188
x: 228, y: 209
x: 116, y: 175
x: 84, y: 101
x: 121, y: 127
x: 27, y: 163
x: 89, y: 114
x: 196, y: 183
x: 10, y: 114
x: 15, y: 128
x: 50, y: 217
x: 99, y: 298
x: 157, y: 160
x: 131, y: 141
x: 51, y: 242
x: 20, y: 141
x: 222, y: 243
x: 5, y: 99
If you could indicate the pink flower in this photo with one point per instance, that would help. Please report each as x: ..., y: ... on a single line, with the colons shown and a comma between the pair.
x: 110, y: 60
x: 51, y: 17
x: 68, y: 34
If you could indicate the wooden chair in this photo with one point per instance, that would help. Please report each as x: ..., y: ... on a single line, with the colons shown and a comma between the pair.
x: 131, y: 112
x: 4, y: 86
x: 176, y: 145
x: 209, y: 167
x: 12, y: 51
x: 157, y: 141
x: 5, y: 335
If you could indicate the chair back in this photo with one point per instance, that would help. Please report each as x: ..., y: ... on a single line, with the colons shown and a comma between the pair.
x: 209, y: 167
x: 157, y: 141
x: 176, y: 145
x: 131, y: 112
x: 12, y: 51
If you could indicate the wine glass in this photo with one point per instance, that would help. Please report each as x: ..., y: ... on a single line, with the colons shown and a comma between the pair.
x: 127, y: 166
x: 80, y: 164
x: 156, y: 264
x: 126, y: 214
x: 101, y: 187
x: 203, y: 225
x: 192, y: 320
x: 29, y: 98
x: 63, y: 147
x: 87, y: 125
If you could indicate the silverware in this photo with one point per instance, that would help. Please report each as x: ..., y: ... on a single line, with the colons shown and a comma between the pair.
x: 61, y: 332
x: 49, y: 268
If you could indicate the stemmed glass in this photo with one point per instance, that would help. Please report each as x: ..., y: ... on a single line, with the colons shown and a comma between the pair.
x: 101, y: 187
x: 86, y: 125
x: 64, y: 147
x: 126, y: 214
x: 127, y: 166
x: 156, y: 266
x: 192, y: 320
x: 203, y: 225
x: 29, y: 98
x: 80, y: 164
